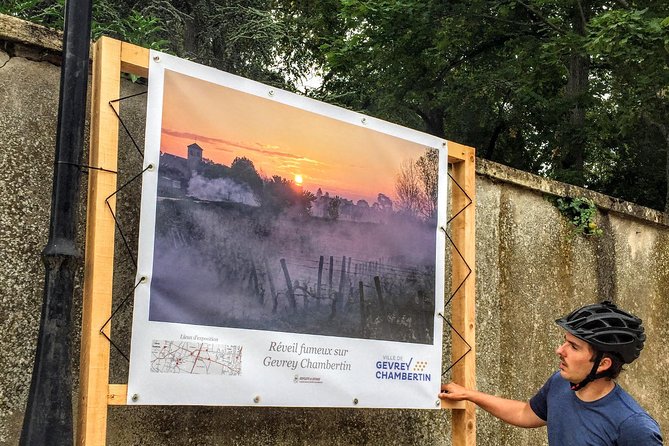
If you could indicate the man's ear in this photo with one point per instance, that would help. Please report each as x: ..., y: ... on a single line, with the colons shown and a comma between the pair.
x: 604, y: 364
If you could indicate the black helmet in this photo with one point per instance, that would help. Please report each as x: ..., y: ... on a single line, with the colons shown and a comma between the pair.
x: 607, y: 329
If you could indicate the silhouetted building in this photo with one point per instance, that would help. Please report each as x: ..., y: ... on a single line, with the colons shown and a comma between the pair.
x: 175, y: 172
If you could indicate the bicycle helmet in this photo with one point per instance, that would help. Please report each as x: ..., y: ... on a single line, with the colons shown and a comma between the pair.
x: 609, y: 330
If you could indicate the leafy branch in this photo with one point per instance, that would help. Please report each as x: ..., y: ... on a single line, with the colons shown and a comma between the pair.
x: 581, y: 213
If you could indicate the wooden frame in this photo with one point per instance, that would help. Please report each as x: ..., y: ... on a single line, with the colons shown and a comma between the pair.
x: 110, y: 58
x: 463, y: 312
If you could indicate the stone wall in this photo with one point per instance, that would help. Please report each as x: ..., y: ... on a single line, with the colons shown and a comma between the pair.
x: 530, y: 270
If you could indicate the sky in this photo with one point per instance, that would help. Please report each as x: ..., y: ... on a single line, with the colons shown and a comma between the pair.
x: 350, y: 161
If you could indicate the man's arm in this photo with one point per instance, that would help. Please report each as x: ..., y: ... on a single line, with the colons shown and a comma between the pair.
x: 517, y: 413
x: 640, y: 429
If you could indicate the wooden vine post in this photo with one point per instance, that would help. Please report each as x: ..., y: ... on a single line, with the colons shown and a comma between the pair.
x: 463, y: 315
x: 110, y: 59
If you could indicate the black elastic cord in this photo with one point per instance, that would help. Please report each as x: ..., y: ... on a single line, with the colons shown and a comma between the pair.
x: 117, y: 223
x: 466, y: 195
x: 469, y: 347
x: 111, y: 104
x: 464, y: 279
x: 85, y: 166
x: 121, y: 305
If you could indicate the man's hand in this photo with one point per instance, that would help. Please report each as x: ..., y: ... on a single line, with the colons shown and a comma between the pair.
x: 453, y: 392
x: 514, y: 412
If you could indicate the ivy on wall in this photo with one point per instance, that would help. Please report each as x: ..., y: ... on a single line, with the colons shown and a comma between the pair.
x: 581, y: 213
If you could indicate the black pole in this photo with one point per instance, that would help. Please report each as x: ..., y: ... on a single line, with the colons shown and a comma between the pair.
x: 48, y: 417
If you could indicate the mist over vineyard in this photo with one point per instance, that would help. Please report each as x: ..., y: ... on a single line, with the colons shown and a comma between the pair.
x: 317, y: 265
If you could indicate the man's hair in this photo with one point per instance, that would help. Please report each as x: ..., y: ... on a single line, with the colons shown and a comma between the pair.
x: 617, y: 363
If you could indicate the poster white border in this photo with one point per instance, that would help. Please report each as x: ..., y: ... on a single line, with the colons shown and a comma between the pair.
x: 329, y: 388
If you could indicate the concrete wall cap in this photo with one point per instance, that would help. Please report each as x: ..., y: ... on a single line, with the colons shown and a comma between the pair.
x: 13, y: 29
x: 500, y: 172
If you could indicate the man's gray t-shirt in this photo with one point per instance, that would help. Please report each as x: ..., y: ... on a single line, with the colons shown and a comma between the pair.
x: 614, y: 420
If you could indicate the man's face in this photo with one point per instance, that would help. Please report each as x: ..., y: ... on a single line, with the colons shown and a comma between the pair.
x: 575, y: 358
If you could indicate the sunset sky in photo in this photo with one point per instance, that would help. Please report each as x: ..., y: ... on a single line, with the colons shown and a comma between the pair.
x: 350, y: 161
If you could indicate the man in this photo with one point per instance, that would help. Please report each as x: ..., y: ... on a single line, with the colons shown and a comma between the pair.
x: 581, y: 404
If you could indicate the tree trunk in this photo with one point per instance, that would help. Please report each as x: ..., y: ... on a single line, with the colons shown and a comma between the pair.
x: 665, y: 132
x: 666, y: 200
x: 492, y: 143
x: 574, y: 139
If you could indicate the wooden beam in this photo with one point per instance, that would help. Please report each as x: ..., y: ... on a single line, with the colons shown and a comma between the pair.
x: 463, y: 303
x: 99, y: 258
x: 134, y: 60
x: 445, y: 404
x: 457, y: 153
x: 112, y: 57
x: 117, y: 395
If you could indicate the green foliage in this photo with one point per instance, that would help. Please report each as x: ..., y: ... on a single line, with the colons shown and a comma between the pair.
x: 575, y: 91
x: 145, y: 31
x: 243, y: 171
x: 18, y: 8
x: 581, y: 213
x: 281, y: 195
x: 110, y: 18
x: 333, y: 208
x: 212, y: 170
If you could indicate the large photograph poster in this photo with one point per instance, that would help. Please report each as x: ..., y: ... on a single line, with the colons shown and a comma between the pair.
x: 291, y: 250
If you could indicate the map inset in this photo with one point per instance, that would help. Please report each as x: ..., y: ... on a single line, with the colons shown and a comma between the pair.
x: 196, y: 358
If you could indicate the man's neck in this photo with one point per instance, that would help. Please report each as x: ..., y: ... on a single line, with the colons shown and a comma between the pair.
x: 596, y: 389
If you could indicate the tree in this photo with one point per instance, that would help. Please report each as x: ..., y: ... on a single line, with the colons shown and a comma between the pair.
x: 428, y: 168
x: 281, y: 195
x: 573, y: 90
x: 631, y: 46
x: 243, y: 171
x: 410, y: 197
x: 416, y: 185
x: 528, y: 83
x: 383, y: 203
x: 333, y: 208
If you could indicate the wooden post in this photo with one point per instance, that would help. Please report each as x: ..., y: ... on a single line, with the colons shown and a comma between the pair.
x: 379, y: 293
x: 342, y: 278
x: 463, y: 304
x: 272, y: 289
x: 320, y: 278
x: 363, y: 314
x: 330, y: 276
x: 99, y: 257
x: 289, y: 285
x: 110, y: 57
x: 253, y: 282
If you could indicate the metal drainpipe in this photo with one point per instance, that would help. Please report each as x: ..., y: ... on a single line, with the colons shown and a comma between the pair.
x: 48, y: 417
